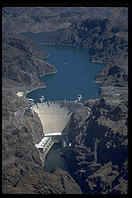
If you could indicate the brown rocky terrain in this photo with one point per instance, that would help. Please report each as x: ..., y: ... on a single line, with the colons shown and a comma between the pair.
x: 48, y: 19
x: 57, y: 182
x: 20, y: 60
x: 98, y: 158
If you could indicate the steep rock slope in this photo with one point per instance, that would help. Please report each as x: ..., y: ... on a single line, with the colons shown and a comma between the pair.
x: 23, y: 44
x: 105, y: 39
x: 57, y: 182
x: 99, y: 155
x: 48, y: 19
x: 22, y: 61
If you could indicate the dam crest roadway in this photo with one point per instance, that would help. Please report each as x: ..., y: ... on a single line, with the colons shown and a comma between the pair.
x: 55, y: 118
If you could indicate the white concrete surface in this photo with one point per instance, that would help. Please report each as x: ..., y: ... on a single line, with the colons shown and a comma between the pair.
x: 52, y: 134
x: 54, y: 118
x: 42, y: 142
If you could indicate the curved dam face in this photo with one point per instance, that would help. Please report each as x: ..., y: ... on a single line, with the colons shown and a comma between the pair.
x: 54, y: 117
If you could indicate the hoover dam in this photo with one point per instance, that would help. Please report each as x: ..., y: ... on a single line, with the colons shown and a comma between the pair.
x: 55, y: 118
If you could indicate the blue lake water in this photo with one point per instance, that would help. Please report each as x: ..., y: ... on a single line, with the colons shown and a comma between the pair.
x: 75, y: 75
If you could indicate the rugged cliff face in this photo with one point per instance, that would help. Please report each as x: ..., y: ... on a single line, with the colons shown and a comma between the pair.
x: 22, y: 61
x: 57, y: 182
x: 48, y: 19
x: 98, y: 158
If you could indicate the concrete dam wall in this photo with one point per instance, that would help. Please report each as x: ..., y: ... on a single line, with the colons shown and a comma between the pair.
x: 54, y: 117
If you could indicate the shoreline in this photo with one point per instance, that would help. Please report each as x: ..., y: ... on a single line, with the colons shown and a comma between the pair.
x: 46, y: 56
x: 97, y: 61
x: 93, y: 61
x: 48, y: 74
x: 55, y: 44
x: 28, y: 91
x: 98, y: 82
x: 39, y: 87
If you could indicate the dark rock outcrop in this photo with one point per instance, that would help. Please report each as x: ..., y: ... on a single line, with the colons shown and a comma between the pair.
x: 48, y: 19
x: 57, y: 182
x: 22, y: 60
x: 23, y: 44
x: 98, y: 158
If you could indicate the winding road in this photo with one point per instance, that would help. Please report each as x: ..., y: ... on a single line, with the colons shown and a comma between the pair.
x: 20, y: 117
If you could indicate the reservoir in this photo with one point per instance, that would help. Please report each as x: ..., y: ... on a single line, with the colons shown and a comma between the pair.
x: 75, y: 75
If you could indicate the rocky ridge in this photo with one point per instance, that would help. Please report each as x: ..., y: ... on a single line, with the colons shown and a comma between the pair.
x: 48, y: 19
x: 20, y: 60
x: 57, y: 182
x: 98, y: 159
